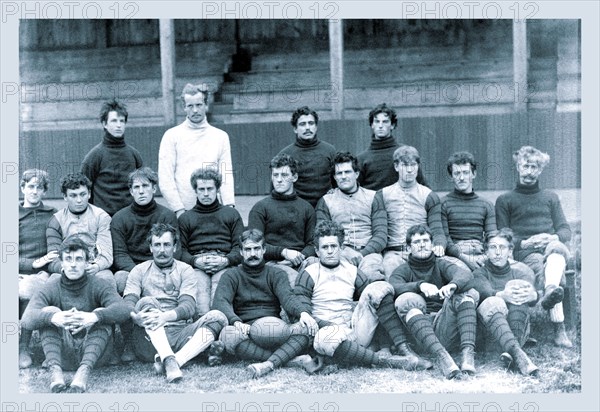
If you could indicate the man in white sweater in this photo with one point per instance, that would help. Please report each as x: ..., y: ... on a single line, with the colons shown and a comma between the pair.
x: 189, y: 146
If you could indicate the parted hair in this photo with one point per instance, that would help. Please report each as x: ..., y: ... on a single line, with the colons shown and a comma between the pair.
x: 417, y: 230
x: 344, y: 157
x: 159, y: 229
x: 74, y: 243
x: 41, y: 175
x: 303, y: 111
x: 112, y: 106
x: 143, y: 173
x: 504, y: 233
x: 73, y: 181
x: 283, y: 160
x: 383, y: 108
x: 461, y: 158
x: 328, y: 228
x: 530, y: 153
x: 193, y: 89
x: 206, y: 174
x: 254, y: 235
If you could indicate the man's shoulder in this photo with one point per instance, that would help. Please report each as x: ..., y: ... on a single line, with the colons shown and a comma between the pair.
x: 328, y: 146
x: 122, y: 216
x: 97, y: 211
x: 181, y: 266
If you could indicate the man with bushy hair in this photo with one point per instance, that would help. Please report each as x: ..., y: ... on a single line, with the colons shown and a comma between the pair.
x: 108, y: 163
x: 191, y: 145
x: 541, y: 230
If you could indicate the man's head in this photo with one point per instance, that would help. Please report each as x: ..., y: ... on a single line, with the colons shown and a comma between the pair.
x: 329, y: 237
x: 34, y: 185
x: 74, y: 256
x: 462, y: 168
x: 75, y: 188
x: 407, y: 162
x: 382, y: 120
x: 252, y: 247
x: 418, y: 239
x: 163, y: 240
x: 206, y: 184
x: 142, y: 184
x: 305, y: 121
x: 113, y: 116
x: 498, y: 245
x: 195, y: 102
x: 530, y: 164
x: 284, y: 173
x: 346, y: 171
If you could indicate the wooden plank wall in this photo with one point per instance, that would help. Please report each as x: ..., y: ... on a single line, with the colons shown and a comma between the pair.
x: 491, y: 138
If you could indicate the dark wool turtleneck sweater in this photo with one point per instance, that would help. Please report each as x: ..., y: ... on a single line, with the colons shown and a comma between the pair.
x: 32, y: 235
x: 108, y: 166
x: 248, y: 293
x: 87, y: 294
x: 439, y: 272
x: 286, y: 221
x: 211, y: 228
x: 489, y: 279
x: 130, y: 227
x: 314, y: 168
x: 465, y: 216
x: 528, y: 211
x: 376, y: 164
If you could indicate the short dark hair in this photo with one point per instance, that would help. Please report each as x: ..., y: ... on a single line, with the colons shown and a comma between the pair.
x: 504, y: 233
x: 328, y: 228
x: 159, y: 229
x: 383, y: 108
x: 112, y: 106
x: 74, y: 243
x: 193, y: 89
x: 461, y: 158
x: 41, y: 175
x: 406, y: 153
x: 206, y: 174
x: 417, y: 230
x: 73, y: 181
x: 143, y: 173
x: 303, y: 111
x: 344, y: 157
x: 283, y: 160
x: 254, y: 235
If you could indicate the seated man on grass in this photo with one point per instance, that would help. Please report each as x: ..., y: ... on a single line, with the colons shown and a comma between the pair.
x: 329, y: 290
x: 75, y: 314
x: 507, y: 293
x: 161, y: 293
x: 252, y: 296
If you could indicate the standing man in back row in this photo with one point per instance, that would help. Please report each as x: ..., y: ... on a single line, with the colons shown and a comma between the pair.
x: 192, y: 145
x: 314, y: 156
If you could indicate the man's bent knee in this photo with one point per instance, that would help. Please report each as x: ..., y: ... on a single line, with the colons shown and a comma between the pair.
x: 490, y: 306
x: 328, y: 338
x: 407, y: 301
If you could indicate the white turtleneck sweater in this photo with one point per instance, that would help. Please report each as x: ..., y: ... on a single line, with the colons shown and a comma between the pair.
x: 185, y: 148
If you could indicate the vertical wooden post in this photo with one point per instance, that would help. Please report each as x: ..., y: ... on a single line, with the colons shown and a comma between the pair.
x: 167, y: 68
x: 336, y: 65
x: 520, y: 63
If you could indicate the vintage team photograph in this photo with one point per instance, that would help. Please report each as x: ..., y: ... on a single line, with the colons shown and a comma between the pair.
x: 300, y: 206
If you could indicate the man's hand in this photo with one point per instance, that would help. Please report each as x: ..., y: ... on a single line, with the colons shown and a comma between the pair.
x: 64, y: 319
x: 296, y: 258
x: 211, y: 263
x: 92, y: 269
x: 352, y: 255
x: 538, y: 241
x: 243, y: 328
x: 310, y: 323
x: 447, y: 291
x: 429, y: 289
x: 439, y: 250
x: 44, y: 260
x: 84, y: 320
x: 518, y: 292
x: 149, y: 318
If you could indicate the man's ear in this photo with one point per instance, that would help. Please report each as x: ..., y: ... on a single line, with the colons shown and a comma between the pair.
x: 294, y: 177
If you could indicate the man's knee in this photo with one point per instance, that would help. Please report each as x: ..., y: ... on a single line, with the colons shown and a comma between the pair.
x: 490, y: 306
x: 146, y: 303
x: 231, y: 337
x: 215, y: 320
x: 108, y: 276
x: 372, y: 266
x: 29, y: 285
x: 470, y: 295
x: 328, y: 338
x: 558, y: 248
x: 375, y: 292
x: 408, y: 301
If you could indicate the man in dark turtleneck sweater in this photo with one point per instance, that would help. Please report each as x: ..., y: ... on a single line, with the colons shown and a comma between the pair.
x: 428, y: 284
x: 108, y: 163
x: 466, y: 216
x: 541, y: 230
x: 130, y: 225
x: 313, y: 155
x: 506, y: 292
x: 74, y: 314
x: 254, y: 291
x: 210, y: 235
x: 287, y: 221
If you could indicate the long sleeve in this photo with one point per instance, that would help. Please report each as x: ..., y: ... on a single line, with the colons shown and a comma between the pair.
x: 490, y: 218
x: 482, y: 284
x: 237, y: 228
x: 309, y: 233
x: 224, y: 295
x: 402, y: 280
x: 184, y: 232
x: 41, y: 308
x: 104, y: 242
x: 451, y: 248
x: 188, y: 289
x: 360, y: 283
x: 113, y: 308
x: 289, y: 301
x: 304, y: 291
x: 561, y: 226
x: 434, y: 219
x: 90, y: 167
x: 452, y: 273
x: 257, y: 219
x: 54, y: 238
x: 167, y: 163
x: 379, y: 220
x: 122, y: 260
x: 322, y: 210
x: 226, y: 169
